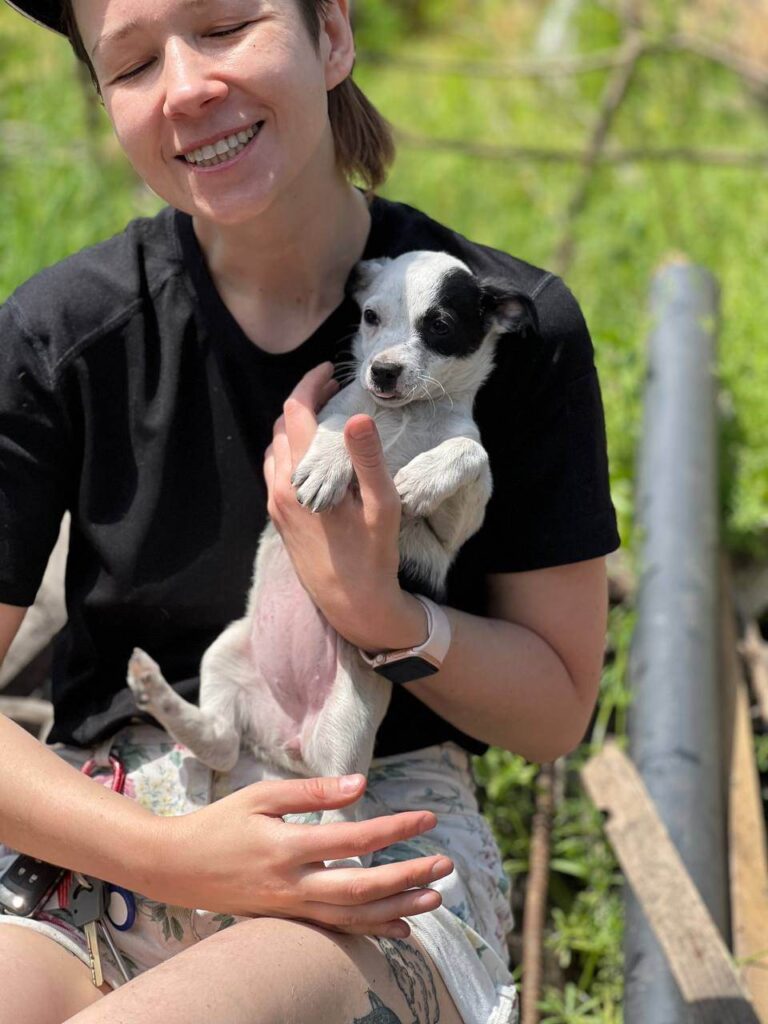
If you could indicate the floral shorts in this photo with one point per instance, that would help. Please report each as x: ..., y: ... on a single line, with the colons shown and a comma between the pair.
x: 465, y: 936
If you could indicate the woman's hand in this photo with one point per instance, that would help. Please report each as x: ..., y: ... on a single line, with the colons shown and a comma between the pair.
x: 346, y: 557
x: 237, y: 856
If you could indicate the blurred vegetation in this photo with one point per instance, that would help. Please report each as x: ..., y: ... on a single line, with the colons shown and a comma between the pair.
x: 64, y: 185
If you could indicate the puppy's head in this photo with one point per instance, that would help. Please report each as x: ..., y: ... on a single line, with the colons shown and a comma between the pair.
x: 427, y: 326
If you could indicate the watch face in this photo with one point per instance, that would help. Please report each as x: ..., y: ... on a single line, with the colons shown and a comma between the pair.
x: 405, y: 670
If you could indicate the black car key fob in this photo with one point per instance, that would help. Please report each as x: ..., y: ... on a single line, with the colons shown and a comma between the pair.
x: 26, y: 885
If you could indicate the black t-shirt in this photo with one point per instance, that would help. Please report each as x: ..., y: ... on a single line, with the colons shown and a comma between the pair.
x: 130, y: 396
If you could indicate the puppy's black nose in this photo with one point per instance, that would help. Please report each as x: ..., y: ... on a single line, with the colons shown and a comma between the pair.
x: 384, y: 375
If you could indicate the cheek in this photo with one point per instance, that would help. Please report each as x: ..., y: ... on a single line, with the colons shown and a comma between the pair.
x: 132, y: 134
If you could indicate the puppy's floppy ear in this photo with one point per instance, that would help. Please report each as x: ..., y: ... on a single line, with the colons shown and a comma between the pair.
x: 363, y: 276
x: 510, y: 311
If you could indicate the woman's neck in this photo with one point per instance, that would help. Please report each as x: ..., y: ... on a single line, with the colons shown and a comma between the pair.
x: 286, y: 270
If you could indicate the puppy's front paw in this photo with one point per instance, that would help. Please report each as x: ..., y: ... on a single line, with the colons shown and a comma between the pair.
x: 321, y: 481
x: 149, y: 688
x: 418, y: 497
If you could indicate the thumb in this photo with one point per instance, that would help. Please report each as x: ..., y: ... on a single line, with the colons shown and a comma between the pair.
x: 364, y: 446
x: 294, y: 796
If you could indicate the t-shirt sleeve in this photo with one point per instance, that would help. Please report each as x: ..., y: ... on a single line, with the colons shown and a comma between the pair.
x: 33, y: 460
x: 542, y: 422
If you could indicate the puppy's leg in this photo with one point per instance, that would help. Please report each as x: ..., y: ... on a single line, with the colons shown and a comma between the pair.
x: 341, y: 742
x: 432, y: 477
x: 210, y: 735
x: 461, y: 515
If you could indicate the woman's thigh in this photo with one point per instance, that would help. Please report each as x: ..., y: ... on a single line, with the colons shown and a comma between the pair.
x: 40, y: 981
x: 270, y: 971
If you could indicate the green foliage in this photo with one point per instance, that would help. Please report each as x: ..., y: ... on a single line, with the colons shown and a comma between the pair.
x: 585, y: 886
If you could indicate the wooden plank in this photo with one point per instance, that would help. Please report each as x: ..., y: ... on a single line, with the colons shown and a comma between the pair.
x: 755, y: 652
x: 747, y: 855
x: 695, y: 951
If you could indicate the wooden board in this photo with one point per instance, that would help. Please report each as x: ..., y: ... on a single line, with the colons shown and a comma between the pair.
x: 695, y: 951
x: 755, y: 652
x: 747, y: 858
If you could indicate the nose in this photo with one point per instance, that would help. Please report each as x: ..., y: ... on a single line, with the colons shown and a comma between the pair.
x: 384, y: 375
x: 191, y: 81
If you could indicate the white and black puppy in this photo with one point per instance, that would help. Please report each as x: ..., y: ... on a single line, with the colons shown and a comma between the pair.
x: 280, y: 680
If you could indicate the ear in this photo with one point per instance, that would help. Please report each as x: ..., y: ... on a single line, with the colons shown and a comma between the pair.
x: 363, y: 277
x: 510, y: 311
x: 337, y: 44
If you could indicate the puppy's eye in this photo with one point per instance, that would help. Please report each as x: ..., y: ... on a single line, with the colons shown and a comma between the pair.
x: 440, y: 327
x: 371, y: 317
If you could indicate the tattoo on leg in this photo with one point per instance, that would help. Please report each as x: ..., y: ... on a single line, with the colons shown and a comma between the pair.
x: 380, y: 1014
x: 415, y: 979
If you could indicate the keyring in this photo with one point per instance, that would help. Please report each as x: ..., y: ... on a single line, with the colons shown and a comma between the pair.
x: 120, y: 907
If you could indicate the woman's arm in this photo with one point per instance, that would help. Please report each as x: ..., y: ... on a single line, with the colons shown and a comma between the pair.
x: 236, y: 856
x: 11, y: 619
x: 525, y: 680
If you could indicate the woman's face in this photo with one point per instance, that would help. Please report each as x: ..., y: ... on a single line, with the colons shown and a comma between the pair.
x: 241, y: 76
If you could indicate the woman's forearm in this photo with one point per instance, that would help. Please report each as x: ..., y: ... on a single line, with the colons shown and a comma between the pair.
x: 504, y: 685
x: 55, y: 813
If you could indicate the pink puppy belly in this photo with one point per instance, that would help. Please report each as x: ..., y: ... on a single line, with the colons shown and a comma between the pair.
x: 293, y: 650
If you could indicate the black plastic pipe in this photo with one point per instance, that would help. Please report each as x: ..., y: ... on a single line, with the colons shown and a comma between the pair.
x: 674, y: 724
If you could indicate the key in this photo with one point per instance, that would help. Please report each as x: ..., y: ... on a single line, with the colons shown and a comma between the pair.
x: 121, y: 966
x: 87, y: 909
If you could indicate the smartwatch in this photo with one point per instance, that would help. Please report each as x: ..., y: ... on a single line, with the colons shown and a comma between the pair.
x: 416, y: 662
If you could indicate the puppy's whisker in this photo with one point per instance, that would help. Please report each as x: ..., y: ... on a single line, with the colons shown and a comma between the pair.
x: 433, y: 380
x: 426, y: 394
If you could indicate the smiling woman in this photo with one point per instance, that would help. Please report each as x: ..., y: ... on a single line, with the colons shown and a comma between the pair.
x: 144, y: 384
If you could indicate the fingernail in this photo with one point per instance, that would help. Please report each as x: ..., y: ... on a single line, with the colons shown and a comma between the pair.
x: 399, y: 931
x: 349, y: 783
x: 427, y: 899
x: 441, y: 867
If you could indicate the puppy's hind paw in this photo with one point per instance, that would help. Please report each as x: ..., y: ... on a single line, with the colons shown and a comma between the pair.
x: 145, y: 680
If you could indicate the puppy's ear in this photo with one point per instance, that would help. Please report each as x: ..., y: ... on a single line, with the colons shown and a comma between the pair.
x: 510, y: 311
x: 363, y: 276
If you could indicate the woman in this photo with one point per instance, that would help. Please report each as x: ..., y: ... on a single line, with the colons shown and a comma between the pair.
x: 144, y: 386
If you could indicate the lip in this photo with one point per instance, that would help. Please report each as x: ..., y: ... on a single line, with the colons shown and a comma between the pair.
x: 211, y: 140
x: 394, y: 398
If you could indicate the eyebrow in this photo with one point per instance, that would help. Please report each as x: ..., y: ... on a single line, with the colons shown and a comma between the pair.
x: 133, y: 24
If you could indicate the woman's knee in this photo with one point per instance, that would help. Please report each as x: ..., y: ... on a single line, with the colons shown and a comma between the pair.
x: 41, y: 982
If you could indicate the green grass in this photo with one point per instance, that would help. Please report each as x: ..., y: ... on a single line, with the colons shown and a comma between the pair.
x: 64, y: 185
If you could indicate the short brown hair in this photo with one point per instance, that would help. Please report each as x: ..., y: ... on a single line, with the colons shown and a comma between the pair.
x: 363, y: 139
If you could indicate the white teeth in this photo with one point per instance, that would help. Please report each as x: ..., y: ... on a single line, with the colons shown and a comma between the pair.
x: 223, y: 150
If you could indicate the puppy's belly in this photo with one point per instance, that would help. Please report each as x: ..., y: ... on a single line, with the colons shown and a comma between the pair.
x: 293, y: 652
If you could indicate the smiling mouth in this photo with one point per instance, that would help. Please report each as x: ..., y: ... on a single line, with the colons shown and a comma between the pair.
x: 224, y: 150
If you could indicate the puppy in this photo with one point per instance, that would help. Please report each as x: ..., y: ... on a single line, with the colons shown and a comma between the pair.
x: 280, y: 680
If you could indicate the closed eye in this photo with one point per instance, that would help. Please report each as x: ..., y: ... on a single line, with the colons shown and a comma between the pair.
x: 127, y: 75
x: 230, y: 31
